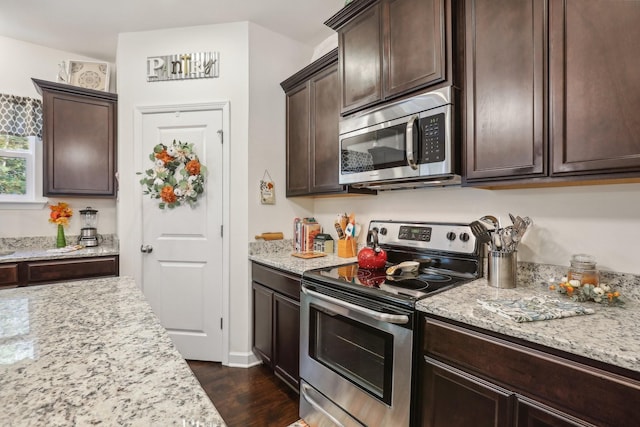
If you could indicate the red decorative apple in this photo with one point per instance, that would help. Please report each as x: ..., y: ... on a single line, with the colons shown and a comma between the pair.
x: 372, y: 256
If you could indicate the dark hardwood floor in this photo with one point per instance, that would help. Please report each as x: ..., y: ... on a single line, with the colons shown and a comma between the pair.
x: 247, y: 397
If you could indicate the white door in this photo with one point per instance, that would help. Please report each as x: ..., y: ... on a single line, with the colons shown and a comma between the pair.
x: 182, y: 273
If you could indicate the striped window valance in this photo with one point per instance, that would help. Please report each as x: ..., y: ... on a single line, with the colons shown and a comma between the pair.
x: 20, y: 116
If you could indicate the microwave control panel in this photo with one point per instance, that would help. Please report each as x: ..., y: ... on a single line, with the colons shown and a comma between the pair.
x: 433, y: 138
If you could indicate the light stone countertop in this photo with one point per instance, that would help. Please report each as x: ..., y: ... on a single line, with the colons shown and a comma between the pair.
x: 92, y: 352
x: 277, y: 254
x: 43, y: 248
x: 287, y: 262
x: 610, y: 335
x: 38, y: 254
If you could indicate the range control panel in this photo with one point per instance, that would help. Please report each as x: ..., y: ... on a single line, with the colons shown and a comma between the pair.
x: 449, y: 237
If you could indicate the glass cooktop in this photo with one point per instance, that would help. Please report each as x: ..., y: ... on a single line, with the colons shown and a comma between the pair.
x: 408, y: 287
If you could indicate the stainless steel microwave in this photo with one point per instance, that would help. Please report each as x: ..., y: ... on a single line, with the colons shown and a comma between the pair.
x: 406, y: 144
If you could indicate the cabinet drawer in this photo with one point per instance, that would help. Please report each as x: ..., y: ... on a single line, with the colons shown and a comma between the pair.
x: 593, y: 394
x: 280, y: 281
x: 8, y: 274
x: 84, y: 268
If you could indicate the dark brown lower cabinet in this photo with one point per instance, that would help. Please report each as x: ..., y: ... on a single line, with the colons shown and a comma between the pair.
x: 262, y: 322
x: 458, y: 399
x: 286, y: 337
x: 25, y: 273
x: 9, y: 277
x: 472, y: 378
x: 276, y: 321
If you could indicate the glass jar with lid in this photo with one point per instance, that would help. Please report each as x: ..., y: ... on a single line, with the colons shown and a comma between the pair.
x: 583, y: 268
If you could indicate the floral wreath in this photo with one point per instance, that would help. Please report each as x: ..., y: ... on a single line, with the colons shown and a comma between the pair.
x: 177, y: 176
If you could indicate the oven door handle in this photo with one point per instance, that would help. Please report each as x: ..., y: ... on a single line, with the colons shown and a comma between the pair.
x: 411, y: 160
x: 399, y: 319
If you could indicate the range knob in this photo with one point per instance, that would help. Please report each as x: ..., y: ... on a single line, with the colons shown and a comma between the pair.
x: 464, y: 237
x: 383, y: 231
x: 451, y: 236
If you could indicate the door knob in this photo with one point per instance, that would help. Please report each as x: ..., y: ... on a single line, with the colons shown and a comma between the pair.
x: 146, y: 249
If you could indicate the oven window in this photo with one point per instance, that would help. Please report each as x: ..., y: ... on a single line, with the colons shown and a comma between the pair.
x: 361, y: 354
x: 379, y: 149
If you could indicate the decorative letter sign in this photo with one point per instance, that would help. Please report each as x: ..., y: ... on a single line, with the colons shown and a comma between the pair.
x: 182, y: 66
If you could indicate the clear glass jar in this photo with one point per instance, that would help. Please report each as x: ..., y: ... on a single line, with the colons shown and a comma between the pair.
x: 583, y: 268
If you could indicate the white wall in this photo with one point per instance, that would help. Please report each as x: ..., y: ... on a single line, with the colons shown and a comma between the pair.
x: 273, y: 59
x: 601, y: 220
x: 22, y: 62
x: 253, y: 61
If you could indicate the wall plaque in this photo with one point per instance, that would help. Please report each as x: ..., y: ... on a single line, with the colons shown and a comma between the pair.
x: 181, y: 66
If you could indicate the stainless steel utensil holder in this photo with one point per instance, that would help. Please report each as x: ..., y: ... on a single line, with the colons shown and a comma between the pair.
x: 503, y: 269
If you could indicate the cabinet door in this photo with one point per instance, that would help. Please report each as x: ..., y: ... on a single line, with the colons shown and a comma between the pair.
x: 595, y: 89
x: 262, y: 322
x: 532, y: 414
x: 79, y: 145
x: 38, y: 272
x: 9, y: 277
x: 505, y: 78
x: 360, y: 47
x: 414, y: 44
x: 286, y: 323
x: 324, y: 144
x: 298, y: 115
x: 451, y: 398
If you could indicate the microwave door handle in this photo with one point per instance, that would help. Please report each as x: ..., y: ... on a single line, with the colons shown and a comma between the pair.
x: 411, y: 161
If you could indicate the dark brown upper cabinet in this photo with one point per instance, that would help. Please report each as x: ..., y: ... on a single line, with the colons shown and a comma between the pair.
x: 505, y: 86
x: 550, y: 89
x: 313, y: 112
x: 594, y: 101
x: 79, y: 140
x: 389, y: 48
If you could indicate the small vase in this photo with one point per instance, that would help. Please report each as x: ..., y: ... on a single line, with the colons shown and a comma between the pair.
x: 61, y: 241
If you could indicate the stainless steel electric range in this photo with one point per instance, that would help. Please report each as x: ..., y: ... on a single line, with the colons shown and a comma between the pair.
x: 357, y: 325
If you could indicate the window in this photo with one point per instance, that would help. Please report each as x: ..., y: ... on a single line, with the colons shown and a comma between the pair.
x: 20, y: 152
x: 17, y: 168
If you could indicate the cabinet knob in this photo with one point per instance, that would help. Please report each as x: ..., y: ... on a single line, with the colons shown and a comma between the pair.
x: 146, y: 249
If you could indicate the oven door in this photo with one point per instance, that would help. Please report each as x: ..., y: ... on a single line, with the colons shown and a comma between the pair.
x: 354, y: 357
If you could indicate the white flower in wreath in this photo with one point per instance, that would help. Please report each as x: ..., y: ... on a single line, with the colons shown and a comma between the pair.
x: 177, y: 176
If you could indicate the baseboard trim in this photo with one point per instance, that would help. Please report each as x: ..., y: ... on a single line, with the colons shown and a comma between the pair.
x: 243, y: 360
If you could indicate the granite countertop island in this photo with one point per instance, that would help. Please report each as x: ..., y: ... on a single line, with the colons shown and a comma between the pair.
x: 92, y: 352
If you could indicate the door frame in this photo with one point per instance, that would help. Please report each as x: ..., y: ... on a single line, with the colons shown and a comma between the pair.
x: 140, y: 157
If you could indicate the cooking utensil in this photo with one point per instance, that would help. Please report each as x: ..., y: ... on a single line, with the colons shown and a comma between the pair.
x: 270, y: 236
x: 403, y: 268
x: 492, y: 220
x: 480, y: 231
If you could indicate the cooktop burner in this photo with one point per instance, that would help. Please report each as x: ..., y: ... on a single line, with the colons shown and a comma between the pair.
x: 448, y: 255
x: 404, y: 288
